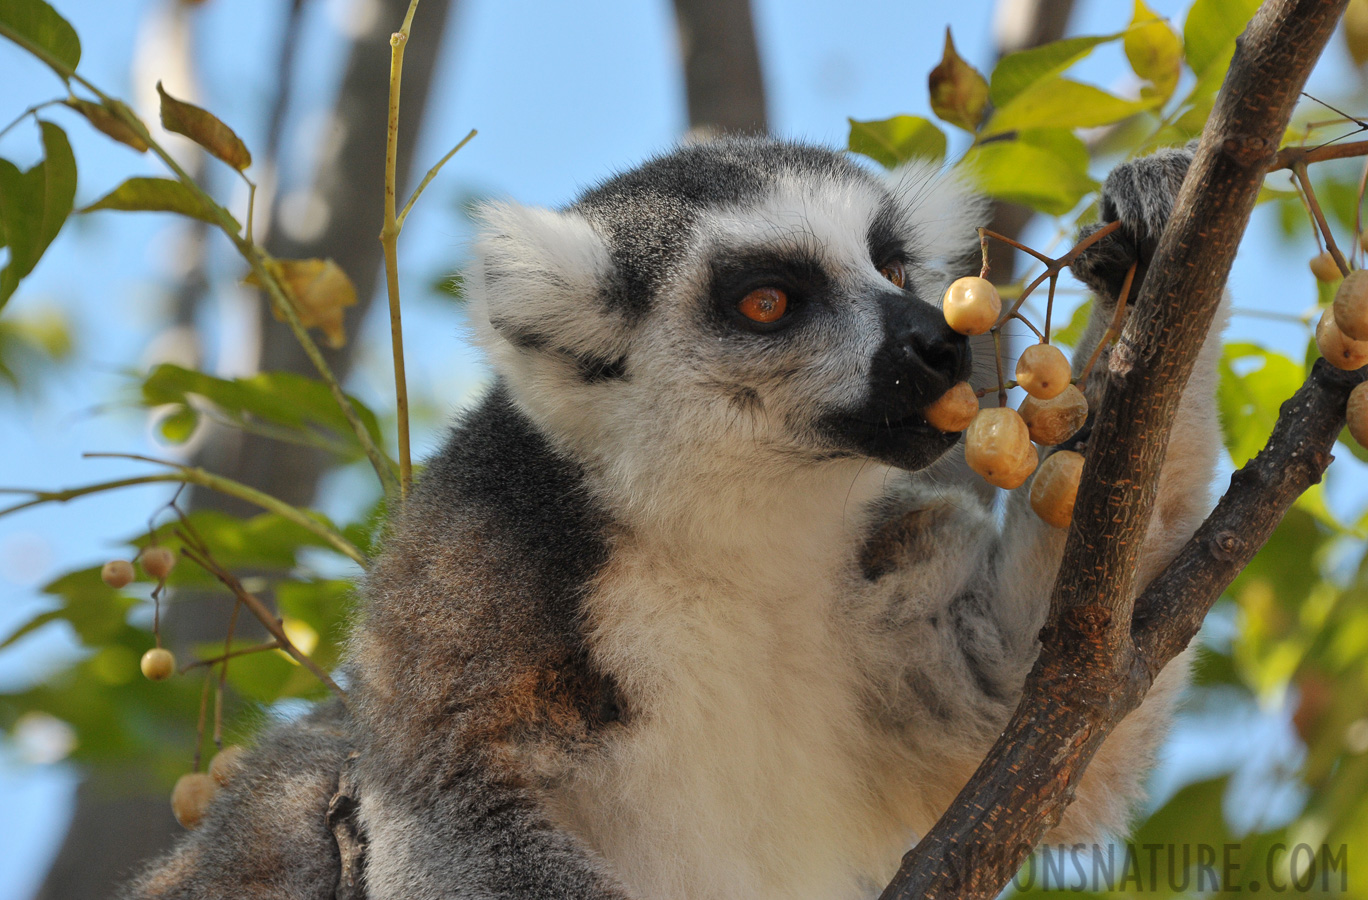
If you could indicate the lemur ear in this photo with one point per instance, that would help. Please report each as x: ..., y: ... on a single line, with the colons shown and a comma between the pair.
x: 540, y: 282
x: 942, y: 209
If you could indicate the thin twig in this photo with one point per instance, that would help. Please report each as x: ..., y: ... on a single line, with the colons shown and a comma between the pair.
x: 389, y: 242
x: 431, y: 174
x: 1299, y: 172
x: 1113, y: 327
x: 244, y: 651
x: 198, y: 552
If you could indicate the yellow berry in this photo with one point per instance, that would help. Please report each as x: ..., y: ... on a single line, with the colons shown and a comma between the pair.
x: 1351, y: 306
x: 998, y: 447
x: 191, y: 797
x: 158, y: 664
x: 226, y: 764
x: 117, y: 573
x: 1356, y: 414
x: 1056, y: 487
x: 954, y: 410
x: 971, y: 305
x: 1056, y: 420
x: 158, y: 562
x: 1043, y: 372
x: 1325, y: 268
x: 1337, y: 349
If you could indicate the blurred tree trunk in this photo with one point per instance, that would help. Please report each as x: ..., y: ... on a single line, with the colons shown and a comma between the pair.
x: 112, y: 832
x: 1021, y: 24
x: 722, y: 78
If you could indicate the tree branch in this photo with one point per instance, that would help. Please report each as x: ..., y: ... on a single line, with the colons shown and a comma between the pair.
x: 1089, y: 673
x: 1170, y: 611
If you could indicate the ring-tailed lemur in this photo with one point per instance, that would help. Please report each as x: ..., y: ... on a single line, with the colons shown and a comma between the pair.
x: 669, y: 617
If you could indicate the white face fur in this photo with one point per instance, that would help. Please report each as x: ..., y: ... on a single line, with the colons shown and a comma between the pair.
x: 647, y: 398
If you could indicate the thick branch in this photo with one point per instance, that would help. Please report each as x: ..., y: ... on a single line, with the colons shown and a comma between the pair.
x: 1088, y: 675
x: 1170, y: 611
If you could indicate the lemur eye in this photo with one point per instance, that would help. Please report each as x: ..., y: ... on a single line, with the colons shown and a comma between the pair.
x: 894, y: 272
x: 764, y: 305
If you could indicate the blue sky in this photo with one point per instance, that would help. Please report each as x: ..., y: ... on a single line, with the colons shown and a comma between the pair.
x: 563, y: 94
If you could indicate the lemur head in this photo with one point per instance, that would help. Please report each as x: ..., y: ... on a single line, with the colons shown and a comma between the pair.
x: 748, y: 300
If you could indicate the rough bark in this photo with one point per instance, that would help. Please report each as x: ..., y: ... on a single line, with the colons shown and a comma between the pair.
x: 1091, y: 672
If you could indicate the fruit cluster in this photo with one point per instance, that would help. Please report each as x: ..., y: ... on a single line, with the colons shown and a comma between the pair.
x: 1342, y: 337
x: 997, y: 441
x: 157, y: 664
x: 192, y: 794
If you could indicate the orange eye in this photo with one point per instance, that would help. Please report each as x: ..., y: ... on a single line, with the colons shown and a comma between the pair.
x: 894, y: 272
x: 764, y: 305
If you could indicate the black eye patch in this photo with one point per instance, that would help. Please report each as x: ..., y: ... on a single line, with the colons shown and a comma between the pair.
x: 886, y: 243
x: 736, y: 273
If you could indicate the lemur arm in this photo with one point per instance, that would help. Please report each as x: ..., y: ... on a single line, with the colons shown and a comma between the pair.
x: 483, y: 835
x: 266, y: 836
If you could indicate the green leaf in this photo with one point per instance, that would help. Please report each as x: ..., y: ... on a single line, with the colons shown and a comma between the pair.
x: 1072, y: 333
x: 1063, y: 103
x: 898, y: 140
x: 1254, y: 384
x: 1018, y: 71
x: 34, y: 205
x: 1045, y: 169
x: 161, y: 195
x: 1154, y: 51
x: 1210, y: 31
x: 36, y: 26
x: 294, y: 403
x: 179, y: 425
x: 958, y: 92
x: 204, y: 128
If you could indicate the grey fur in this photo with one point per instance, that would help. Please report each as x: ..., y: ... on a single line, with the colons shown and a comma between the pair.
x: 671, y: 545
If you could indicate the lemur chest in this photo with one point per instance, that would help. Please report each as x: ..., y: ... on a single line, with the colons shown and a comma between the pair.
x: 749, y: 766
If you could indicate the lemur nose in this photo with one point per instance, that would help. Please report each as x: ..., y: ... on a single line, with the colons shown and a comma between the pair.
x: 944, y: 354
x: 933, y: 349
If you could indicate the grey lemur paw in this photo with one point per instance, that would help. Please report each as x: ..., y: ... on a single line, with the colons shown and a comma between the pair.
x: 1139, y: 194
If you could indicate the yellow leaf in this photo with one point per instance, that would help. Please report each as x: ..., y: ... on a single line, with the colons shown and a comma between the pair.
x: 204, y: 128
x: 109, y: 123
x: 319, y: 289
x: 1154, y: 50
x: 1356, y: 31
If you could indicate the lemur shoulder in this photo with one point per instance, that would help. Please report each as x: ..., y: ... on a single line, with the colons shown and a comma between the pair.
x: 692, y: 605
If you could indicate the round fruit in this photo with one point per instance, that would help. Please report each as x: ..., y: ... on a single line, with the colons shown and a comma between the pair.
x: 1043, y: 371
x: 1351, y: 305
x: 971, y: 305
x: 158, y: 664
x: 158, y: 562
x: 1325, y: 268
x: 190, y: 798
x: 954, y: 410
x: 1056, y: 420
x: 1337, y: 349
x: 117, y: 573
x: 1357, y: 414
x: 1056, y: 486
x: 998, y: 447
x: 226, y: 764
